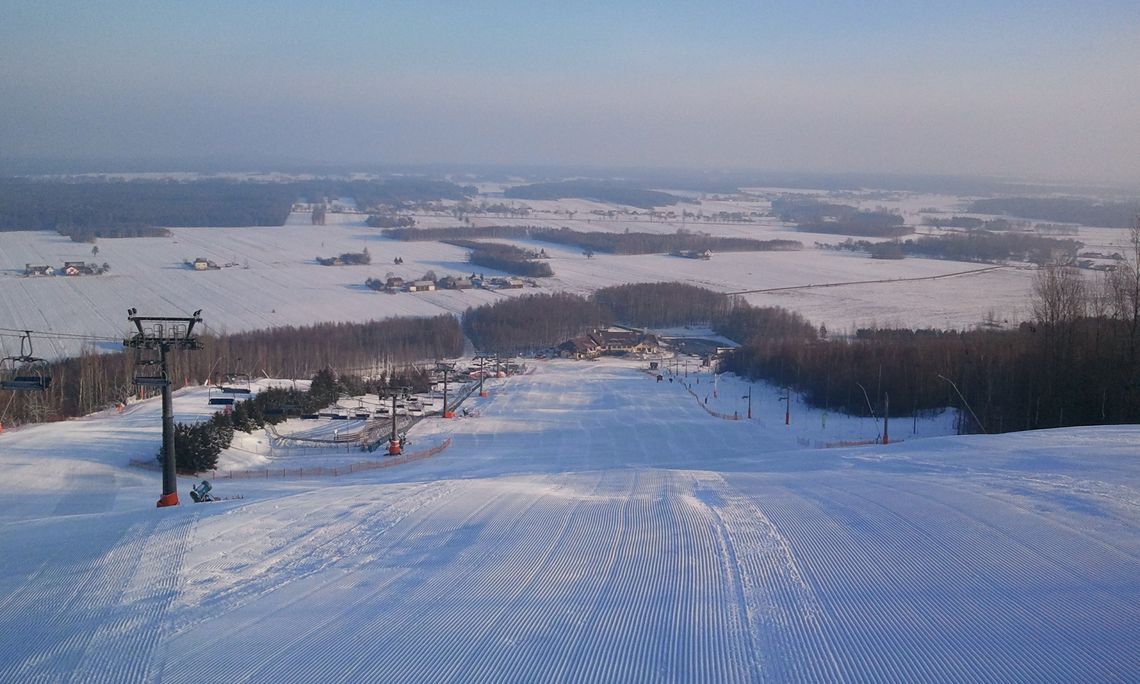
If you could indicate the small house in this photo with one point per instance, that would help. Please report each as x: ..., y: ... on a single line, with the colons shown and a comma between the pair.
x: 693, y: 254
x: 201, y: 264
x: 455, y: 283
x: 421, y: 286
x: 74, y: 268
x: 34, y: 270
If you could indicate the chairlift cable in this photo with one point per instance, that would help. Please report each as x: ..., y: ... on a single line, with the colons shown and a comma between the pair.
x: 12, y: 332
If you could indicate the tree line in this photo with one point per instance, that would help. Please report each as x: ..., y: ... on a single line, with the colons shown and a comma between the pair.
x: 94, y: 381
x: 110, y: 208
x: 1063, y: 210
x: 598, y: 241
x: 974, y: 245
x: 662, y: 304
x: 814, y: 216
x: 662, y: 243
x: 534, y: 322
x: 1009, y: 379
x: 1077, y: 363
x: 197, y: 446
x: 531, y: 322
x: 506, y: 258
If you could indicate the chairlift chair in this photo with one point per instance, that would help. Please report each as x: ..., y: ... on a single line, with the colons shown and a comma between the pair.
x: 148, y: 368
x: 24, y: 372
x: 237, y: 383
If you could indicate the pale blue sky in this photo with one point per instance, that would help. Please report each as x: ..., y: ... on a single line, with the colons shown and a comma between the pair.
x: 1024, y: 88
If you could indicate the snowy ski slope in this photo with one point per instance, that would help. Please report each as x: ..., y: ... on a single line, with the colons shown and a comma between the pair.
x: 590, y: 525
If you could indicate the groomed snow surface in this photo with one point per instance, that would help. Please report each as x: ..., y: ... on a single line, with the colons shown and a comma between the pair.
x: 589, y: 525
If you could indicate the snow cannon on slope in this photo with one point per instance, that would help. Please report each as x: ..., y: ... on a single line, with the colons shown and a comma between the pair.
x: 201, y: 492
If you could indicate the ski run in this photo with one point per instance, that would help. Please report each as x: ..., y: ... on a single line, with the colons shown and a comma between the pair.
x: 585, y: 523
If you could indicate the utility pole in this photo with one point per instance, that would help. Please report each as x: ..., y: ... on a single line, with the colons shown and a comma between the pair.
x: 750, y: 402
x: 394, y: 392
x: 787, y: 405
x: 160, y: 334
x: 445, y: 368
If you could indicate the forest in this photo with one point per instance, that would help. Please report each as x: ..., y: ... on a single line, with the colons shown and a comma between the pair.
x: 813, y: 216
x: 974, y: 245
x: 1084, y: 212
x: 662, y: 304
x: 506, y: 258
x: 658, y: 243
x: 1076, y: 363
x: 531, y: 322
x: 534, y: 322
x: 597, y: 241
x: 112, y: 208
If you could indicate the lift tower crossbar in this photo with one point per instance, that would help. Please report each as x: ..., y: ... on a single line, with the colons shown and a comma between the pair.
x: 162, y: 334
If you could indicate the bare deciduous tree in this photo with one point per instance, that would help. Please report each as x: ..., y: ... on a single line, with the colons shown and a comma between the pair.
x: 1058, y: 296
x: 1125, y: 286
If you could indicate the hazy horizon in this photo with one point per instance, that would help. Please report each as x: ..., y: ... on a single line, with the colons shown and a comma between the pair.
x: 1028, y: 90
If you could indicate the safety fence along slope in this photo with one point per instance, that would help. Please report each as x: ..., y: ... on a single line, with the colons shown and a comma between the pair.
x: 302, y: 472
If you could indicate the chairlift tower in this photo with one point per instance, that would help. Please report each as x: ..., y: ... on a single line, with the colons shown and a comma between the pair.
x: 482, y: 359
x: 159, y: 335
x: 445, y: 368
x: 394, y: 392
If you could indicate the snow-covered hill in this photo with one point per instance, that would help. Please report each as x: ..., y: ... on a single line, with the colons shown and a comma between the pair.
x: 590, y: 524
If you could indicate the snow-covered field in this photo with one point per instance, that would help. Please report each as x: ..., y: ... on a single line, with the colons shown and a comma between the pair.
x: 274, y: 279
x: 590, y: 524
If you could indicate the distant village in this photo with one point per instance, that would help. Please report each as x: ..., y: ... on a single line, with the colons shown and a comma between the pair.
x: 394, y: 284
x: 70, y: 268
